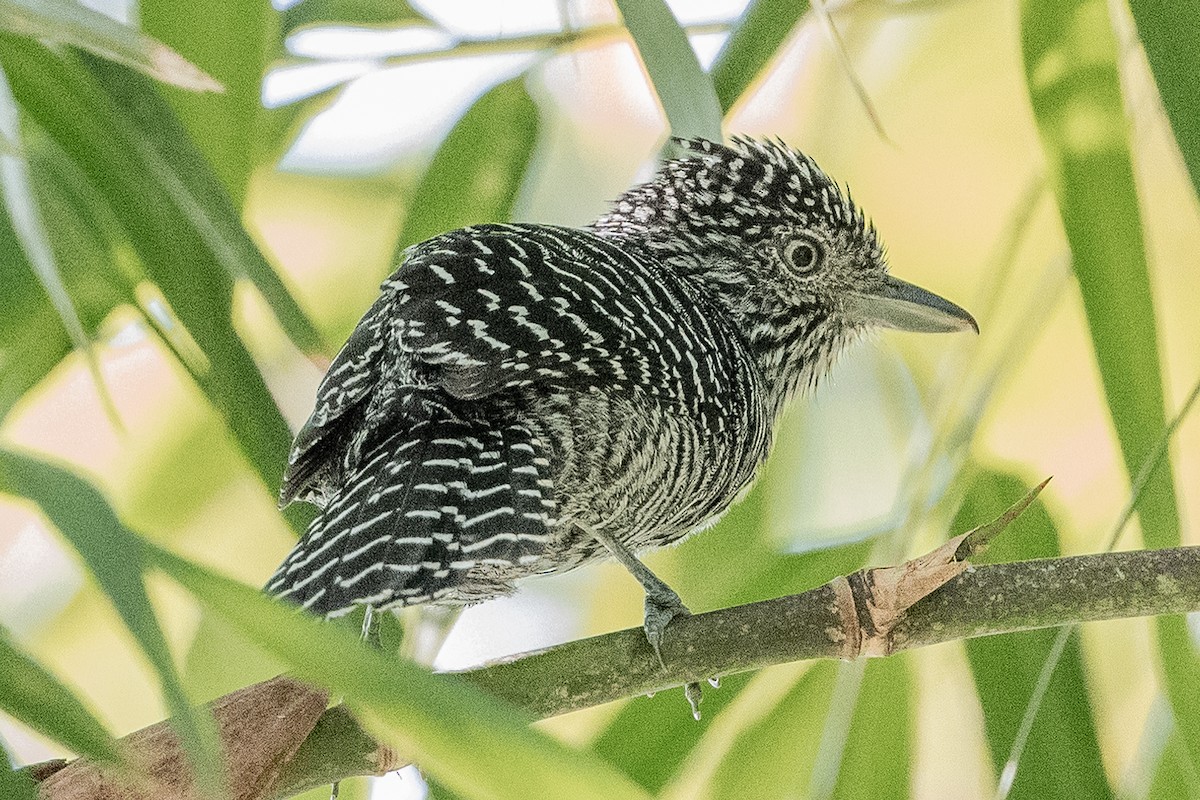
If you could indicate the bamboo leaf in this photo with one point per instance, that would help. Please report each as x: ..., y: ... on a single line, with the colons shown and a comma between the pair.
x: 22, y: 204
x: 1061, y: 755
x: 1070, y: 56
x: 759, y: 33
x: 478, y: 170
x: 71, y: 23
x: 117, y: 559
x: 474, y: 744
x: 349, y: 12
x: 684, y: 89
x: 1170, y: 34
x: 14, y: 784
x: 33, y: 696
x: 188, y: 246
x: 233, y: 40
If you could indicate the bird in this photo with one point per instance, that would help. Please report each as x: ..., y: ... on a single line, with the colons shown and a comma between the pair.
x: 524, y: 399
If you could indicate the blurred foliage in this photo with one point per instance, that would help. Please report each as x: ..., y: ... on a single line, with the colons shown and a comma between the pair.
x: 166, y: 221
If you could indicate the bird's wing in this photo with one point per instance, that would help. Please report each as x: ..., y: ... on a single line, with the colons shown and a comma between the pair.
x: 437, y: 496
x: 500, y: 306
x: 341, y: 399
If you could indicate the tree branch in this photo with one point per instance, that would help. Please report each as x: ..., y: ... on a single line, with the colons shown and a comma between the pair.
x: 863, y: 614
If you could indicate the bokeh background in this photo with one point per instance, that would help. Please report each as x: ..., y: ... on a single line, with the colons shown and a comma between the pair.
x: 378, y: 124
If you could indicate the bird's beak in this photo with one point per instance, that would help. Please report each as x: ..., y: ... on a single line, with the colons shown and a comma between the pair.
x: 898, y: 304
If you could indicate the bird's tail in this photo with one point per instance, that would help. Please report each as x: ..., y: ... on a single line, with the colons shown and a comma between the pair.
x: 421, y: 509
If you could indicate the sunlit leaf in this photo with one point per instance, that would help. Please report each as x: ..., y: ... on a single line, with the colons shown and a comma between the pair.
x: 115, y: 556
x: 33, y: 696
x: 1061, y: 756
x: 231, y: 39
x: 70, y: 22
x: 475, y: 744
x: 876, y: 759
x: 759, y: 33
x: 1070, y: 54
x: 479, y: 168
x: 1170, y: 34
x: 684, y: 89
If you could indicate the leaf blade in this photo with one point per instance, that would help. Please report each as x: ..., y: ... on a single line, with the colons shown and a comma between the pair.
x: 30, y: 694
x: 71, y: 23
x: 684, y: 89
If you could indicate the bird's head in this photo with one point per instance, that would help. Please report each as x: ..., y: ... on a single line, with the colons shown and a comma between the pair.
x: 781, y: 246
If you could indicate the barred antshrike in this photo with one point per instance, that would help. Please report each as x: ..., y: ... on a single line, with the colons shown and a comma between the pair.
x: 523, y: 399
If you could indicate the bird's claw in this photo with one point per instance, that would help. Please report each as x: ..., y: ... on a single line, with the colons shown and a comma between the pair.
x: 694, y: 697
x: 660, y: 610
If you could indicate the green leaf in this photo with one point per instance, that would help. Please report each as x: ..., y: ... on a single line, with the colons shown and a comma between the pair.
x: 349, y: 12
x: 476, y: 173
x: 13, y: 784
x: 1070, y: 55
x: 876, y: 760
x: 759, y: 33
x: 772, y: 747
x: 33, y: 696
x: 473, y: 743
x: 66, y: 22
x: 22, y: 204
x: 1170, y: 34
x: 1061, y: 757
x: 183, y: 229
x: 116, y: 557
x: 684, y: 89
x: 233, y: 39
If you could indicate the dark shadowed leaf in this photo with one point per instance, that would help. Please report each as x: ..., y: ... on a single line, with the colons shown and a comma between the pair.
x: 1170, y: 34
x: 349, y: 12
x: 66, y: 22
x: 234, y: 41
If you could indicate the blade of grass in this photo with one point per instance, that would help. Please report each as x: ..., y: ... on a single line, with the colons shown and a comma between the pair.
x: 1170, y: 34
x: 33, y: 696
x: 71, y: 23
x: 477, y: 172
x: 472, y: 742
x: 1070, y: 63
x: 684, y: 89
x: 116, y: 557
x: 759, y: 33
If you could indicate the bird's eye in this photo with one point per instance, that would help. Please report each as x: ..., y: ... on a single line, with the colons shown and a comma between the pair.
x: 803, y: 255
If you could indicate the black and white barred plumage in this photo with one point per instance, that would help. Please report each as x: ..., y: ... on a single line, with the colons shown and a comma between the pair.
x: 518, y: 388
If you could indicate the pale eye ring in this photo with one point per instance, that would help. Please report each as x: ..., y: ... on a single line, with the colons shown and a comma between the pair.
x: 803, y: 255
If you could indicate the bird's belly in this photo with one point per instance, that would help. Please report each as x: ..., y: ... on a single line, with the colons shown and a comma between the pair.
x: 644, y: 472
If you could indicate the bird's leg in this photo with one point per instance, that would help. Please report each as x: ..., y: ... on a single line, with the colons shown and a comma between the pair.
x: 662, y: 603
x: 662, y: 606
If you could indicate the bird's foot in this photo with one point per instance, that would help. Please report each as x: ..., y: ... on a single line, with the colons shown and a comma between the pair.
x: 661, y: 607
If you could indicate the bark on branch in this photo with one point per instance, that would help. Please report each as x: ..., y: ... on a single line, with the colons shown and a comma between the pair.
x: 873, y: 612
